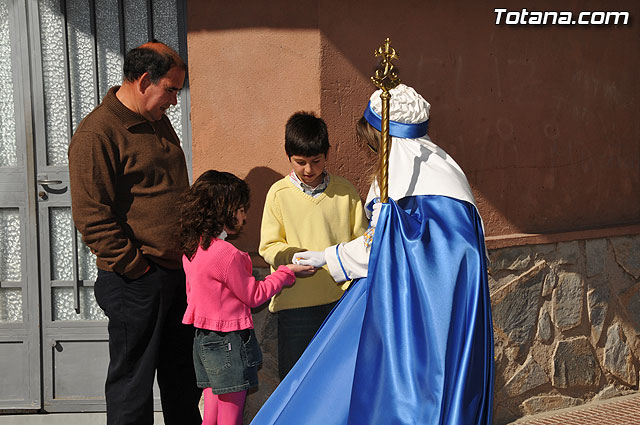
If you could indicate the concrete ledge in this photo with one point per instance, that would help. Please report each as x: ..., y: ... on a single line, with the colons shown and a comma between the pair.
x: 518, y: 239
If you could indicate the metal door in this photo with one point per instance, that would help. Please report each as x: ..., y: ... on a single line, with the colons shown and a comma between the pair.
x: 75, y: 51
x: 19, y: 312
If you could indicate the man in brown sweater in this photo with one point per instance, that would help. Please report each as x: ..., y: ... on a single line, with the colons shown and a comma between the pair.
x: 127, y: 170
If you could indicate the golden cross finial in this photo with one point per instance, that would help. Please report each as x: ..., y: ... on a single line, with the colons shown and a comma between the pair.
x: 386, y: 77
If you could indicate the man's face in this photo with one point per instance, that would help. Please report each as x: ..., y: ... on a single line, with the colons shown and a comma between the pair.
x: 309, y: 168
x: 160, y: 96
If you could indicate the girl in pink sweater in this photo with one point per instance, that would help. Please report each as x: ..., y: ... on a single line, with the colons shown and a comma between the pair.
x: 220, y: 293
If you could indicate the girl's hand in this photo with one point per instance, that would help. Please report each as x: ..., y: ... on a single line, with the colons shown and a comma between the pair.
x: 301, y: 271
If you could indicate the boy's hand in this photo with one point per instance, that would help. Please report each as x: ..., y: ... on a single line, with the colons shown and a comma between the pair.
x: 309, y: 258
x: 301, y: 271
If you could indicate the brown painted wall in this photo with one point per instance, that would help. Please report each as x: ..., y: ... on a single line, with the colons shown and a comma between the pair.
x: 246, y: 80
x: 543, y: 119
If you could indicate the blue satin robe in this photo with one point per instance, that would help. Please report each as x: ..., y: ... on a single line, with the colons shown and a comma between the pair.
x: 410, y: 344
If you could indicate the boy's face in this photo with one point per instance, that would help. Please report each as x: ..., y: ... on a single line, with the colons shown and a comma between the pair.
x: 309, y: 168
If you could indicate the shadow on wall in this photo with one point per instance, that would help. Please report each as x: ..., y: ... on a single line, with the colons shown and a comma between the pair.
x: 259, y: 180
x: 542, y: 118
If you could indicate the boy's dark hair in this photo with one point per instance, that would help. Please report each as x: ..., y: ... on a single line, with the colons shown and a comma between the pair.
x: 154, y: 57
x: 210, y: 204
x: 306, y: 135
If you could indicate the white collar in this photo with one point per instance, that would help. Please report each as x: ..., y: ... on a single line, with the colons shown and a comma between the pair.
x: 420, y: 167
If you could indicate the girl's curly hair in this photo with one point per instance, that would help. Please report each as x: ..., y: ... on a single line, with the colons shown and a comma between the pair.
x: 208, y: 206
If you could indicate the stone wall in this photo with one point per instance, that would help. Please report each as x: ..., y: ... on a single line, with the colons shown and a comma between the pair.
x: 566, y: 322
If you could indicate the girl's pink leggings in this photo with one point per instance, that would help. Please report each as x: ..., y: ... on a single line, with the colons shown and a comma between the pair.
x: 223, y: 409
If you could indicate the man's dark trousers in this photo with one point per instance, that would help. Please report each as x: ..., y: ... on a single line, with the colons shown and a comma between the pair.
x: 146, y: 333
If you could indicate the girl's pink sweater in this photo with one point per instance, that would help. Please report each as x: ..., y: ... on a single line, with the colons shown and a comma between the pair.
x: 221, y: 289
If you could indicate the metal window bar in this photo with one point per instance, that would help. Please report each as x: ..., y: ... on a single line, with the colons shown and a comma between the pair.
x: 94, y: 46
x: 123, y: 45
x: 65, y: 60
x: 76, y: 269
x: 181, y: 13
x: 77, y: 282
x: 150, y: 20
x: 74, y: 234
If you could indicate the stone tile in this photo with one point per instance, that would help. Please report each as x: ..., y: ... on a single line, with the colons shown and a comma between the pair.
x: 630, y: 299
x: 529, y: 376
x: 627, y: 253
x: 545, y: 326
x: 544, y: 250
x: 545, y: 403
x: 608, y: 392
x: 517, y: 258
x: 574, y: 364
x: 618, y: 358
x: 515, y: 306
x: 596, y: 256
x: 568, y: 252
x: 567, y: 301
x: 550, y: 281
x: 598, y: 305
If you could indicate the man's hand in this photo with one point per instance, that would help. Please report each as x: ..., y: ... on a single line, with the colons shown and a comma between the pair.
x: 309, y: 258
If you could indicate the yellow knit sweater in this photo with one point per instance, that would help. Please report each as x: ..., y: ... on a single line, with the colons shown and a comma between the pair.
x: 293, y: 221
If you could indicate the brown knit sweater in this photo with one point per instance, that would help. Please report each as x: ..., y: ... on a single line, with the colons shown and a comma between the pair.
x: 126, y: 175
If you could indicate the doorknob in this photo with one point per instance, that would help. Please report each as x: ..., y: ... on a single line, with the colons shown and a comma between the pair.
x: 47, y: 182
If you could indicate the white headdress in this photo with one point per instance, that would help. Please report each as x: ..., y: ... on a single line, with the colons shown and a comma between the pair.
x: 406, y: 105
x: 417, y: 166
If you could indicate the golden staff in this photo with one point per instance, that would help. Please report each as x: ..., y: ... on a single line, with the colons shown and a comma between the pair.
x: 385, y: 79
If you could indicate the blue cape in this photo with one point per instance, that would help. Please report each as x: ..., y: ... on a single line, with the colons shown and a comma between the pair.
x: 410, y: 344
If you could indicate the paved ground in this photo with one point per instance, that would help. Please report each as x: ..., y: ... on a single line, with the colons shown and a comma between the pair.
x: 616, y: 411
x: 623, y: 410
x: 64, y: 419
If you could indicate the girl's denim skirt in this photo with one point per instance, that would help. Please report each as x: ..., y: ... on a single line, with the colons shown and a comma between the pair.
x: 226, y: 362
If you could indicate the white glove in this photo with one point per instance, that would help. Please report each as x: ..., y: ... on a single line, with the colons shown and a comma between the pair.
x: 309, y: 258
x: 375, y: 214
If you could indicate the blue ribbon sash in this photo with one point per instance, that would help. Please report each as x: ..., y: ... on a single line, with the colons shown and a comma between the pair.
x: 396, y: 129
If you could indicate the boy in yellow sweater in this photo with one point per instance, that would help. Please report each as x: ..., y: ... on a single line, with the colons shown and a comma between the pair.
x: 309, y: 209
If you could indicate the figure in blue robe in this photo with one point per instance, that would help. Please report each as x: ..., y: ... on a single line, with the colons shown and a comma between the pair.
x: 411, y: 340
